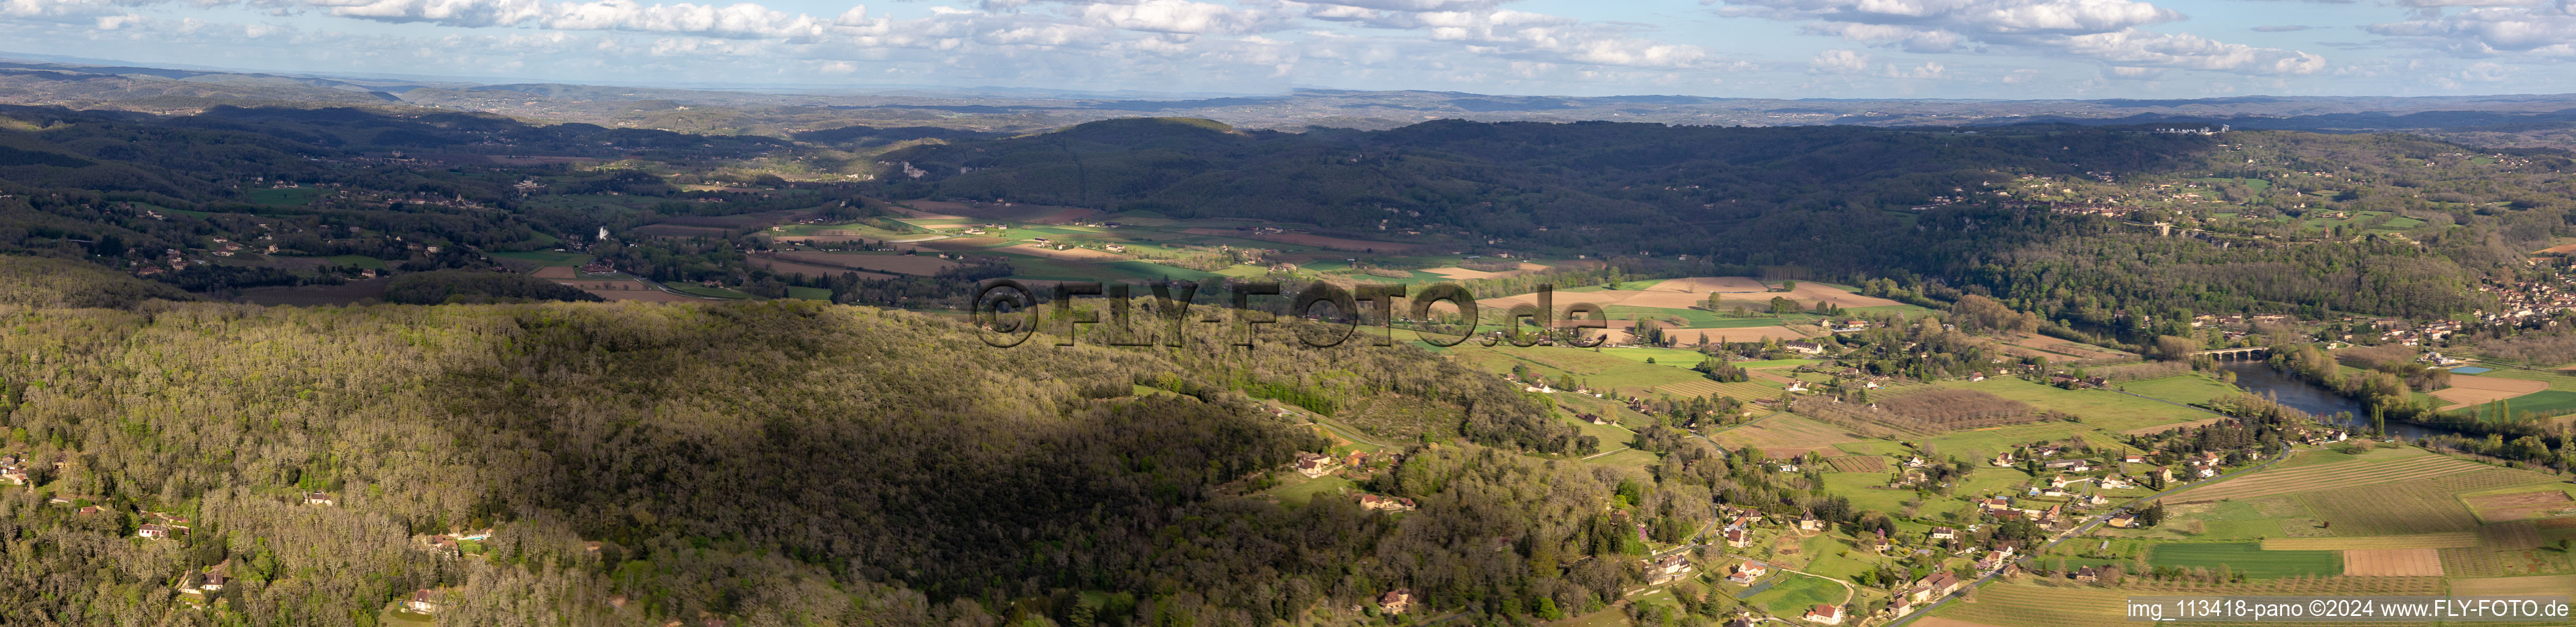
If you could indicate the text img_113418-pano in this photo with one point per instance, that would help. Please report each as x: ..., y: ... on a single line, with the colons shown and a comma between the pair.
x: 1008, y: 312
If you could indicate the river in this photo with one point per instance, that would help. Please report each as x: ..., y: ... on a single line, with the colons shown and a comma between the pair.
x: 2260, y: 379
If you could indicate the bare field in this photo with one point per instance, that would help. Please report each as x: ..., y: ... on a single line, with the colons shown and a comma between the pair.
x: 1858, y: 463
x: 2057, y: 345
x: 2544, y: 495
x: 1719, y: 284
x: 1454, y: 272
x: 2392, y: 563
x: 2559, y: 510
x: 557, y: 272
x: 2469, y: 390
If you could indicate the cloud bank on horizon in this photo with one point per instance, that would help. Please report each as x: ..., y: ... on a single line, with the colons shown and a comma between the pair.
x: 1757, y: 48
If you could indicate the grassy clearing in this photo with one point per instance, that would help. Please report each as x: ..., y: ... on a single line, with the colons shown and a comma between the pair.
x: 1794, y: 594
x: 1155, y: 270
x: 1675, y: 357
x: 361, y: 261
x: 2248, y: 558
x: 546, y: 257
x: 291, y: 197
x: 2188, y: 389
x: 2101, y: 408
x: 1597, y: 369
x: 1869, y: 491
x: 2551, y: 402
x: 1984, y: 443
x: 709, y: 292
x: 1298, y: 490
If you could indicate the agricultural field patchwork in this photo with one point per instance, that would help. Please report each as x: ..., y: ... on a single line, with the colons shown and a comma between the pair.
x: 2331, y: 476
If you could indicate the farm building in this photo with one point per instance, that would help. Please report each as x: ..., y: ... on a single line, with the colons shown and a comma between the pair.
x: 1313, y: 465
x: 1747, y: 572
x: 425, y: 601
x: 1666, y: 568
x: 1825, y: 614
x: 1395, y: 601
x: 1385, y: 503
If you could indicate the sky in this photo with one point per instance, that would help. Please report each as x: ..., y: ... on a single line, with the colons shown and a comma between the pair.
x: 1728, y: 48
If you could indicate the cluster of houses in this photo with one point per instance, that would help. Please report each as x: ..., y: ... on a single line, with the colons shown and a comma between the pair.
x: 1739, y: 525
x: 1930, y: 588
x: 2406, y: 333
x: 13, y: 469
x: 2527, y: 299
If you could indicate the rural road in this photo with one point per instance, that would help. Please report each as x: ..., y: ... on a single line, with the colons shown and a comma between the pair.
x: 1342, y: 431
x: 2087, y: 527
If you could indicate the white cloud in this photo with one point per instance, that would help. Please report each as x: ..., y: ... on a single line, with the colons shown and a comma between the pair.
x: 2102, y: 30
x: 2491, y: 31
x: 740, y: 21
x: 1928, y: 70
x: 2137, y: 73
x: 64, y: 8
x: 1177, y: 16
x: 1840, y: 60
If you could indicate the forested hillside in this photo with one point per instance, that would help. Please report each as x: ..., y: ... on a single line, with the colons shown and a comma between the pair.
x: 1940, y: 205
x: 782, y: 461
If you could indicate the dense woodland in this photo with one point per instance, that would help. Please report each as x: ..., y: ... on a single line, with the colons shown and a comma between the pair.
x: 779, y: 461
x: 1836, y: 200
x: 1833, y: 202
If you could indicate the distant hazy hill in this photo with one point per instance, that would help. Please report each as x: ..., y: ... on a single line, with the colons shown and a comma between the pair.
x: 790, y: 112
